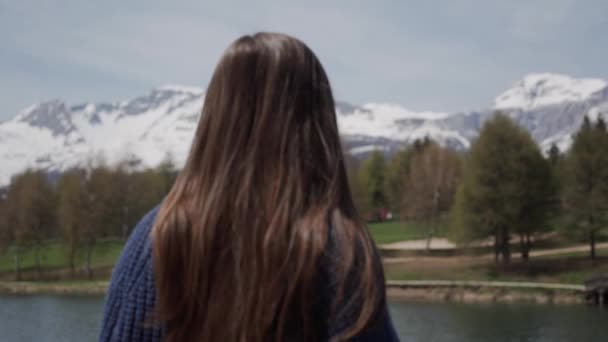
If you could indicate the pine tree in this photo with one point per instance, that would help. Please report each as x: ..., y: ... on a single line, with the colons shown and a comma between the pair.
x: 372, y: 176
x: 356, y: 185
x: 586, y: 188
x: 539, y: 196
x: 397, y: 173
x: 462, y: 219
x: 554, y: 154
x: 168, y: 172
x: 506, y: 187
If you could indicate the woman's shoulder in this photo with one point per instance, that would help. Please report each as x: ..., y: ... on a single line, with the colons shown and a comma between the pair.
x: 131, y: 294
x: 136, y: 256
x: 140, y: 236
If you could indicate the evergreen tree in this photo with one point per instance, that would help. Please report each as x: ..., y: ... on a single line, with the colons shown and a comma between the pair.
x: 586, y: 181
x: 148, y: 189
x: 168, y: 172
x: 356, y: 185
x: 505, y: 190
x: 462, y: 219
x: 600, y: 124
x: 397, y: 173
x: 539, y: 196
x: 420, y: 144
x: 554, y: 154
x: 372, y: 176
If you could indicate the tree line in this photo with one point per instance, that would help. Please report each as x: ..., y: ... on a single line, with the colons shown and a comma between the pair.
x: 80, y: 207
x: 503, y: 188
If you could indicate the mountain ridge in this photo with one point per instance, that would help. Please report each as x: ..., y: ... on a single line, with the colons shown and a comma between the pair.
x: 53, y: 135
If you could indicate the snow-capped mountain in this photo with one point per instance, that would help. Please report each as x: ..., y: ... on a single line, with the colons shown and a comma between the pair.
x: 54, y: 136
x: 538, y: 90
x: 552, y: 106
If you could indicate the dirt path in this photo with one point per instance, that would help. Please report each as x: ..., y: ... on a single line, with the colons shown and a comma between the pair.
x: 564, y: 250
x: 411, y: 245
x: 444, y: 244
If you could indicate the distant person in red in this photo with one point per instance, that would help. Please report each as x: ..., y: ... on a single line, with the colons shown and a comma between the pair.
x: 258, y: 240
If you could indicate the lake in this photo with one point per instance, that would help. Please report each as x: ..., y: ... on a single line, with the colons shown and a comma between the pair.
x: 57, y: 318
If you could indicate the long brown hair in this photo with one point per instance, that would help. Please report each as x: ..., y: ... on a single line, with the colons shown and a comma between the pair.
x: 242, y: 239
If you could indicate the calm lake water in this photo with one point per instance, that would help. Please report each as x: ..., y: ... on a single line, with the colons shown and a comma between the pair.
x: 51, y: 318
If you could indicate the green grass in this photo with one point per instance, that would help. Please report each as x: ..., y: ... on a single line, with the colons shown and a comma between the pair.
x: 562, y: 268
x: 577, y: 255
x: 53, y: 255
x: 394, y: 231
x: 567, y: 268
x: 53, y: 287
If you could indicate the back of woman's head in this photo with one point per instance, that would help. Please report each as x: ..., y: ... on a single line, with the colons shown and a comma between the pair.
x: 247, y: 233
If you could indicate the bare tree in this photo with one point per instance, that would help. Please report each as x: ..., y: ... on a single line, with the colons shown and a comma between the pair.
x: 430, y: 187
x: 5, y: 234
x: 71, y: 213
x: 31, y: 204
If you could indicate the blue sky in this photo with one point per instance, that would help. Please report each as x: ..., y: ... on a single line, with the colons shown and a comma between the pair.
x: 426, y: 55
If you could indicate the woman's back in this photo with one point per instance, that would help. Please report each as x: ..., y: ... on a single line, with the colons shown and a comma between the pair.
x: 131, y: 297
x: 259, y: 239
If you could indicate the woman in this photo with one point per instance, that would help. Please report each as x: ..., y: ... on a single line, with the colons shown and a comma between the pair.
x: 258, y: 240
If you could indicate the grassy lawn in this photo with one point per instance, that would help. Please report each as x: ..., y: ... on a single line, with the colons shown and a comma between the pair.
x: 394, y: 231
x: 572, y: 267
x: 577, y: 255
x: 54, y: 255
x: 569, y: 268
x: 53, y: 287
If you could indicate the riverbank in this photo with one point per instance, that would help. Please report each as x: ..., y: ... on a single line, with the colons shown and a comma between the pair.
x: 485, y: 292
x: 429, y: 291
x: 424, y: 276
x: 88, y: 288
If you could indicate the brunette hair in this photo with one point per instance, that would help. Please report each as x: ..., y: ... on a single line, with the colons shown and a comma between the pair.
x: 244, y: 236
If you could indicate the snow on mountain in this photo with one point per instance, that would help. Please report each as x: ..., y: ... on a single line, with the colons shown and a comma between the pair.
x: 381, y: 120
x: 537, y: 90
x: 388, y: 127
x: 54, y: 136
x: 552, y: 106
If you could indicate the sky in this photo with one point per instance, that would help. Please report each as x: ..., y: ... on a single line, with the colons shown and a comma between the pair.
x: 449, y: 55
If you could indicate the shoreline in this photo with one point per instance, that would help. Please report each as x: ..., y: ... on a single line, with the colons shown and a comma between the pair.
x: 76, y: 288
x: 485, y: 292
x: 418, y: 291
